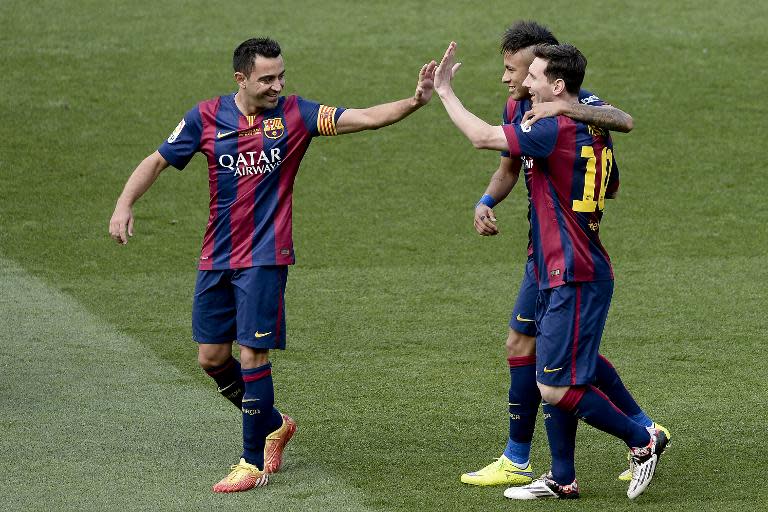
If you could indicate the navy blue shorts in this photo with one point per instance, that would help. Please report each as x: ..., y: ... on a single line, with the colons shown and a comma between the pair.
x: 524, y: 313
x: 245, y: 304
x: 570, y: 320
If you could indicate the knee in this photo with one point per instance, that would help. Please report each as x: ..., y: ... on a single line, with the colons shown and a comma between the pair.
x: 552, y: 394
x: 253, y: 358
x: 520, y: 345
x: 209, y: 356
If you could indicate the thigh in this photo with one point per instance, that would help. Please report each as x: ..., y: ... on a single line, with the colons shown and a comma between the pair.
x: 523, y: 318
x: 260, y: 299
x: 571, y: 321
x: 213, y: 307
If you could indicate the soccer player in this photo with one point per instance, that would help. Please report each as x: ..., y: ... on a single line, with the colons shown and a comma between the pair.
x: 568, y: 164
x: 513, y: 466
x: 253, y: 140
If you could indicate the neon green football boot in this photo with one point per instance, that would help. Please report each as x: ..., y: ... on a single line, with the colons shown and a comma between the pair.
x: 500, y: 472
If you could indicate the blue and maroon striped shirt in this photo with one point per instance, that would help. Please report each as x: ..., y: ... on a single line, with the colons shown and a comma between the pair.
x: 513, y: 113
x: 567, y: 165
x: 252, y: 165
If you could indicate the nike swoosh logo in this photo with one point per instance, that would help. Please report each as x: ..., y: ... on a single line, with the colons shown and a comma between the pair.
x: 262, y: 334
x: 521, y: 319
x: 550, y: 370
x: 221, y: 135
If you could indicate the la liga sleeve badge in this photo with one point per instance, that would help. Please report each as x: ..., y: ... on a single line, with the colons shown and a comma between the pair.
x: 173, y: 136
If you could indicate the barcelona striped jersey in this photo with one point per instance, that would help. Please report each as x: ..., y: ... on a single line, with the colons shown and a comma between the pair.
x: 568, y: 165
x: 513, y: 114
x: 252, y: 165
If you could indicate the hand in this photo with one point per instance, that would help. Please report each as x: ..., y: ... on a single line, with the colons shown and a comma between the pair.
x: 426, y: 85
x: 446, y: 70
x: 545, y: 109
x: 485, y: 221
x: 121, y: 224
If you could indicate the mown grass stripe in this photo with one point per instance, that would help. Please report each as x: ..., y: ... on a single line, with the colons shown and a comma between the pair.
x: 92, y: 421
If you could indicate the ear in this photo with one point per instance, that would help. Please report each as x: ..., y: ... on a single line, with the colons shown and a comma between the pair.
x: 240, y: 79
x: 558, y: 87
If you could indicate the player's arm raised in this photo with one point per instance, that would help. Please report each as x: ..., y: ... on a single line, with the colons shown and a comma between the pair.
x: 501, y: 184
x: 359, y: 119
x: 605, y: 116
x: 480, y: 134
x: 145, y: 174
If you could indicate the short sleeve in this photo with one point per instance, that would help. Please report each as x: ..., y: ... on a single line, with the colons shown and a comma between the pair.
x: 179, y: 148
x: 537, y: 140
x: 588, y: 98
x: 319, y: 119
x: 612, y: 187
x: 505, y: 120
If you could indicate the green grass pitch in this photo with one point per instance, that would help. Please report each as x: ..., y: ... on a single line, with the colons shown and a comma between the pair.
x: 397, y: 310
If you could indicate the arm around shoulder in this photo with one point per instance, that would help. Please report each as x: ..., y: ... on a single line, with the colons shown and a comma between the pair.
x: 606, y: 116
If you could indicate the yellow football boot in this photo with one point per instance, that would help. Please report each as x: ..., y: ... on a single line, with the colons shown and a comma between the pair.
x: 500, y: 472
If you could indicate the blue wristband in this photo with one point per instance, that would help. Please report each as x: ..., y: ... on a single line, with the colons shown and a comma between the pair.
x: 487, y: 200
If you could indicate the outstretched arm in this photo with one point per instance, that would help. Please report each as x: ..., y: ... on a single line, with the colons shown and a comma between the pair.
x: 355, y: 119
x: 480, y: 134
x: 145, y: 174
x: 607, y: 117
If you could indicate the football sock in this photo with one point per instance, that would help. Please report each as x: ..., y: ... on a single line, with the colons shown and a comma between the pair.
x: 561, y: 432
x: 591, y: 405
x: 608, y: 381
x: 229, y: 379
x: 260, y: 418
x: 524, y: 398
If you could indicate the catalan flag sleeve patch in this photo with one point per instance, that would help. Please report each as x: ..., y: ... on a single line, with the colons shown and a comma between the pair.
x: 326, y: 120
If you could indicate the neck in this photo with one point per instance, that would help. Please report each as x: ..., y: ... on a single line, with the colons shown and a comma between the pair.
x: 245, y: 107
x: 568, y: 97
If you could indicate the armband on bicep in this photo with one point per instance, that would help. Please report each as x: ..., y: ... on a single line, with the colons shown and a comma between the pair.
x: 326, y: 120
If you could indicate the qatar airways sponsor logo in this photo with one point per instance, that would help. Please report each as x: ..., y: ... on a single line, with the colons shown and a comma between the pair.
x: 251, y: 162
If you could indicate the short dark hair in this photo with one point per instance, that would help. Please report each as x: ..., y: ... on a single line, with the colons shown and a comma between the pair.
x: 564, y: 61
x: 248, y: 50
x: 523, y: 34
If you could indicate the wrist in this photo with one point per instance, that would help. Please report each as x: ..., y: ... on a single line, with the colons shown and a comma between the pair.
x: 443, y: 91
x: 123, y: 202
x: 487, y: 200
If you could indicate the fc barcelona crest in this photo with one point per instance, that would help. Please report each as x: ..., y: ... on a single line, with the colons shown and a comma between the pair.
x: 273, y: 128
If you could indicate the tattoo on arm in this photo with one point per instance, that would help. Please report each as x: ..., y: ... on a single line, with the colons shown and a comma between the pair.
x: 609, y: 118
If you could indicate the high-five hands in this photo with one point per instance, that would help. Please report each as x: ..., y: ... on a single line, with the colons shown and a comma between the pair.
x: 426, y: 85
x: 447, y: 69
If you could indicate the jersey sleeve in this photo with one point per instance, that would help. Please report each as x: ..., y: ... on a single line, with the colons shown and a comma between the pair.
x: 319, y: 119
x: 505, y: 120
x: 593, y: 100
x: 537, y: 140
x: 612, y: 187
x: 184, y: 142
